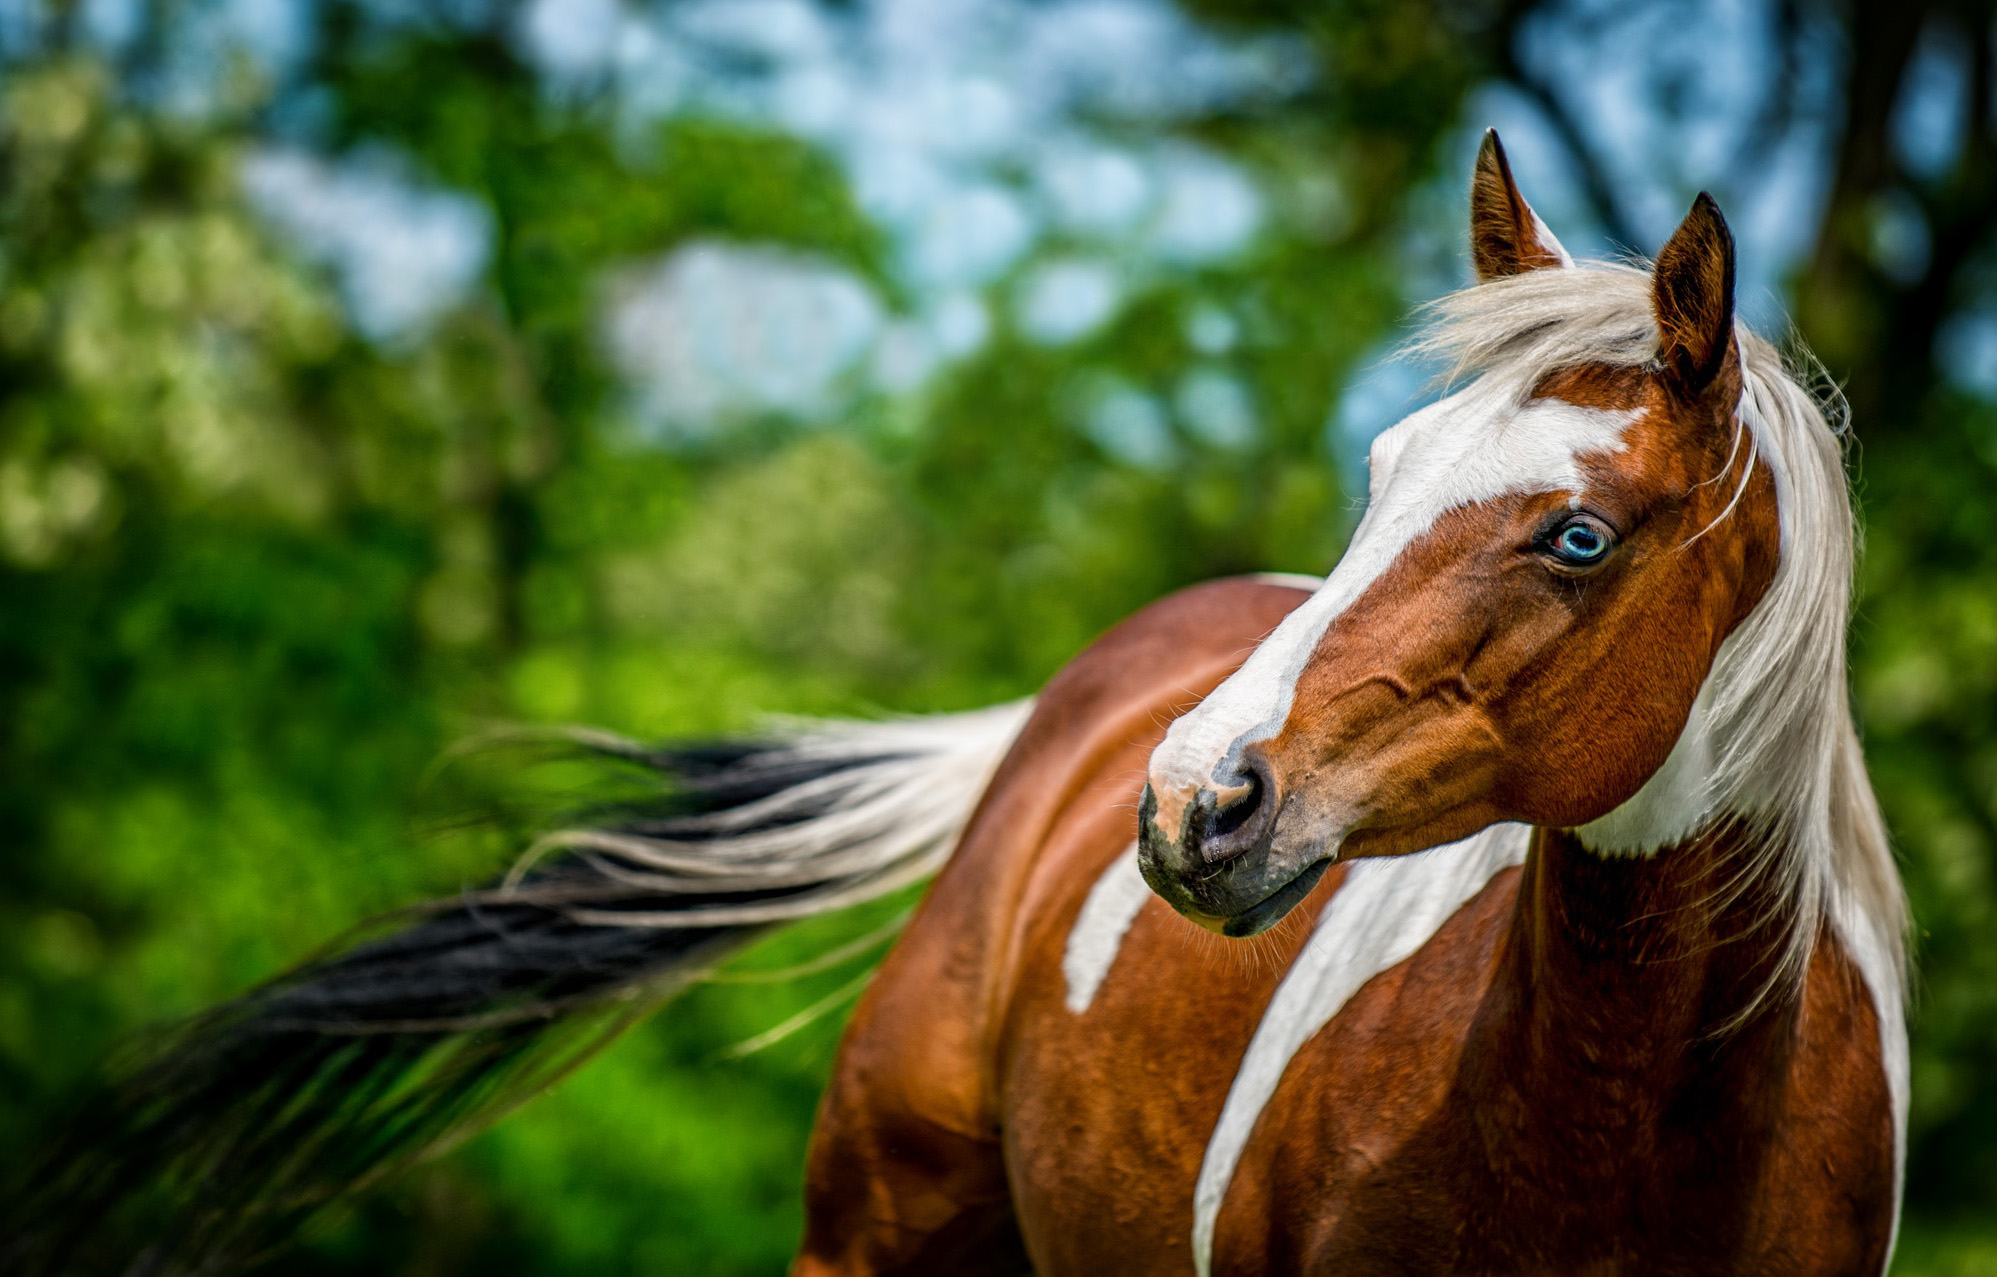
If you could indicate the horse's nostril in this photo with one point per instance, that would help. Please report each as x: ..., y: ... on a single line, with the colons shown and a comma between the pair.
x: 1239, y: 812
x: 1230, y: 831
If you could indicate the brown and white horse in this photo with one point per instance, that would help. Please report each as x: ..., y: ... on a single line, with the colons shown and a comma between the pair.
x: 1597, y: 959
x: 1606, y: 962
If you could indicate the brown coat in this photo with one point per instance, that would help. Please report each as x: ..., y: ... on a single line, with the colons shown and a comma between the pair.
x: 1538, y: 1089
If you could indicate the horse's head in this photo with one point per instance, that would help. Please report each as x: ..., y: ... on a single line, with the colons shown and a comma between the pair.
x: 1549, y: 562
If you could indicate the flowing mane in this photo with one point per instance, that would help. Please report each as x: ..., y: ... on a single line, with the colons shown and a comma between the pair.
x: 1789, y: 766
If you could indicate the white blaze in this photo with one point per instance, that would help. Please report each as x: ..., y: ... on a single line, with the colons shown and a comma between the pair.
x: 1471, y: 447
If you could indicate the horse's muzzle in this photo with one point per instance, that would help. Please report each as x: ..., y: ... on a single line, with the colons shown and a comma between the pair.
x: 1223, y: 870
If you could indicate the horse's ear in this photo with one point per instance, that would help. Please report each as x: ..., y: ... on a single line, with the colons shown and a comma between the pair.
x: 1506, y: 236
x: 1694, y: 296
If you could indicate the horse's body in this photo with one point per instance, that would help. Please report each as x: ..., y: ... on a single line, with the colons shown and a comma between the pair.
x: 1607, y: 970
x: 1047, y: 1055
x: 1607, y: 963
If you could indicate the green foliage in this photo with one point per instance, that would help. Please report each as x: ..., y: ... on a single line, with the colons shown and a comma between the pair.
x: 259, y: 575
x: 1927, y: 697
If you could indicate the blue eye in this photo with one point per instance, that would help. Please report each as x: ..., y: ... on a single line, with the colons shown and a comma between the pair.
x: 1580, y: 542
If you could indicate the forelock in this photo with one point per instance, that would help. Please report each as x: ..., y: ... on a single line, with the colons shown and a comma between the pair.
x: 1523, y: 328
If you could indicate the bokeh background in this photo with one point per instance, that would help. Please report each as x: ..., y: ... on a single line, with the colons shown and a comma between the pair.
x: 376, y: 373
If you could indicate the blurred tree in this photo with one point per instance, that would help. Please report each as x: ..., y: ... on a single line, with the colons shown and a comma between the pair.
x: 261, y: 562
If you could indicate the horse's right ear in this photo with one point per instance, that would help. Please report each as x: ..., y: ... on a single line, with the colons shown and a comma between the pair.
x: 1693, y: 293
x: 1506, y: 236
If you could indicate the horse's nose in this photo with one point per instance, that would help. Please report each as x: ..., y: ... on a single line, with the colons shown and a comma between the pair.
x: 1216, y: 822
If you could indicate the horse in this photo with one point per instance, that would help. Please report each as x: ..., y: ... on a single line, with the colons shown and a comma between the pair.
x: 1512, y: 899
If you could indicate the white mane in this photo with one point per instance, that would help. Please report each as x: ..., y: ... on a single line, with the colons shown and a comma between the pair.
x: 1789, y: 767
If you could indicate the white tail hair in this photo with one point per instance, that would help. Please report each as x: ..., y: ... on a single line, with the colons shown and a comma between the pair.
x: 249, y: 1119
x: 831, y: 813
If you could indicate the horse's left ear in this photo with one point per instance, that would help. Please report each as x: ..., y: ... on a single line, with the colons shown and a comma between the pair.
x: 1506, y: 236
x: 1694, y: 296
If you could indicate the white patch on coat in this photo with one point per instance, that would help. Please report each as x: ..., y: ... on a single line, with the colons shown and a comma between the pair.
x: 1113, y: 903
x: 1675, y: 802
x: 1876, y: 957
x: 1093, y: 941
x: 1386, y: 909
x: 1471, y: 447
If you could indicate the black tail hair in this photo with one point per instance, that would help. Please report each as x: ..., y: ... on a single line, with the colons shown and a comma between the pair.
x: 220, y: 1140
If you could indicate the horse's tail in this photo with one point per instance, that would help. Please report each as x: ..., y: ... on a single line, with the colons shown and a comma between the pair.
x: 221, y: 1140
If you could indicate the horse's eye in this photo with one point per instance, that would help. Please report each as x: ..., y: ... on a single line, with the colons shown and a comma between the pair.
x: 1580, y: 542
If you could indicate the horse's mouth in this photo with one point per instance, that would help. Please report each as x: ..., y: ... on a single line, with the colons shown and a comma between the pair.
x: 1250, y: 920
x: 1274, y: 907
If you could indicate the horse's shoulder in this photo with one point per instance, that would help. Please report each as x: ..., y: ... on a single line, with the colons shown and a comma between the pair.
x: 1827, y: 1197
x: 1843, y: 1063
x: 1070, y: 780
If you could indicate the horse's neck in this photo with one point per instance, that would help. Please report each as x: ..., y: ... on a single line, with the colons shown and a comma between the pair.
x: 1640, y: 972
